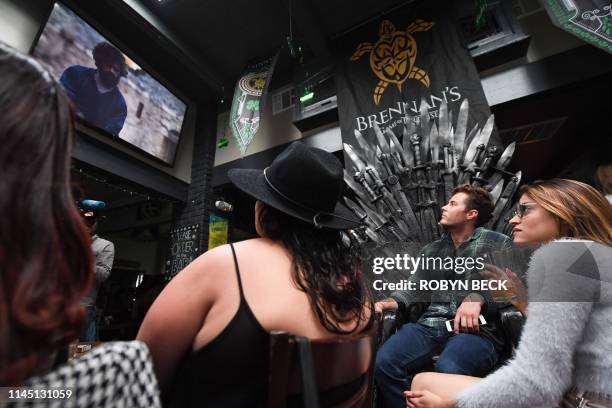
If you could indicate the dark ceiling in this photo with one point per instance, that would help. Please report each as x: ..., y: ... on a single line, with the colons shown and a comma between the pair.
x: 225, y: 34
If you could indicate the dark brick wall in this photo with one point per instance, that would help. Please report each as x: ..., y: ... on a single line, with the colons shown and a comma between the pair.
x: 198, y: 206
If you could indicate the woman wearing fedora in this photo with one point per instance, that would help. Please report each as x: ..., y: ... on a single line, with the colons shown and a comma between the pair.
x: 208, y: 330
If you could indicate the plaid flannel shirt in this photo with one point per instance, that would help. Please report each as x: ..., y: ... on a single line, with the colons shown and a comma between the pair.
x: 443, y: 305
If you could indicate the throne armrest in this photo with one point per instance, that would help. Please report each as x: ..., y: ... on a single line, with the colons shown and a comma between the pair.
x: 393, y: 320
x: 512, y: 321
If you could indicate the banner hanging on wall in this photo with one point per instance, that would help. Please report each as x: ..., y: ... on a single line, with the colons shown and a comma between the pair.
x: 247, y: 103
x: 589, y: 20
x: 217, y: 231
x: 389, y: 67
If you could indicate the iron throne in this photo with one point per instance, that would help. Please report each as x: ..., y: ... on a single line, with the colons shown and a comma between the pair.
x: 397, y: 188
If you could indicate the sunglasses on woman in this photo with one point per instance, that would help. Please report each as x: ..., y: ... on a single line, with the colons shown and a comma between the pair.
x: 523, y: 209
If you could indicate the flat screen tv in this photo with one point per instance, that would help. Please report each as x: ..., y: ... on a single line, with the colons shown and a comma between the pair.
x: 109, y: 91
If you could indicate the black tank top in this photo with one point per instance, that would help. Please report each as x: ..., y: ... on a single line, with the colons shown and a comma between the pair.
x: 231, y: 370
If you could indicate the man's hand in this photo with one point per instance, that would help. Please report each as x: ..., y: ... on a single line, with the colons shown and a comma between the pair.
x: 467, y: 314
x: 387, y: 304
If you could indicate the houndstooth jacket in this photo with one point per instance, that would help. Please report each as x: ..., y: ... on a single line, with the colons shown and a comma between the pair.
x: 118, y: 374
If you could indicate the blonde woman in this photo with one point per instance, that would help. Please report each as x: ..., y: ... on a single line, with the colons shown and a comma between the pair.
x: 563, y: 357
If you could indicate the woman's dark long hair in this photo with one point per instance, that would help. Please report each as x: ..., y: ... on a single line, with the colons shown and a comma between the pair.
x: 328, y: 272
x: 45, y: 253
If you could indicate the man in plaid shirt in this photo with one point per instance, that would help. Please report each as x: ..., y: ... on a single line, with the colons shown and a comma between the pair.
x: 470, y: 349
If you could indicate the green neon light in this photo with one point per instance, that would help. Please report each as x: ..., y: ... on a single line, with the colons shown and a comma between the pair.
x: 306, y: 97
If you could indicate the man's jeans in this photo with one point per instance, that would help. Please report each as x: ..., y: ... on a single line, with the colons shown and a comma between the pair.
x: 410, y: 351
x: 90, y: 332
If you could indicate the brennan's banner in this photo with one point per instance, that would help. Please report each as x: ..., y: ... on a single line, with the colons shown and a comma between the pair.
x: 386, y: 67
x: 590, y: 20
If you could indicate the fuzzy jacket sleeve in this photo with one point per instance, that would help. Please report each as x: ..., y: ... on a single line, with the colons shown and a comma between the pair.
x: 541, y: 371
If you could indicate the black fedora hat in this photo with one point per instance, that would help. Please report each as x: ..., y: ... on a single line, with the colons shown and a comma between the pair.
x: 304, y: 182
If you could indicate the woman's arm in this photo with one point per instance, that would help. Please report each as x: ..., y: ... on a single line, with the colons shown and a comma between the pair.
x: 539, y: 374
x: 176, y: 316
x: 542, y: 369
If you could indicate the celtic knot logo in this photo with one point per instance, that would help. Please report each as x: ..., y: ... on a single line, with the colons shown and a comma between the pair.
x: 393, y: 56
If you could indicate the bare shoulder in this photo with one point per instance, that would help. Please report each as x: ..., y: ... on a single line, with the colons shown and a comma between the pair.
x: 205, y: 269
x: 260, y: 246
x: 215, y: 263
x: 213, y: 257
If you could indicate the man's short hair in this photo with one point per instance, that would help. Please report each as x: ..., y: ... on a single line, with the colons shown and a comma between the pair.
x: 478, y: 199
x: 105, y: 54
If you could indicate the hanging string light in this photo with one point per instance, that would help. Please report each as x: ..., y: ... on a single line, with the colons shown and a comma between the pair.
x: 117, y: 187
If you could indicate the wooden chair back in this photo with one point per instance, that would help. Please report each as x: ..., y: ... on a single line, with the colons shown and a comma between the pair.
x: 322, y: 373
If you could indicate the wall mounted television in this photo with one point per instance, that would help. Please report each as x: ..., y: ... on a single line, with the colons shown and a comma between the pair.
x: 110, y: 92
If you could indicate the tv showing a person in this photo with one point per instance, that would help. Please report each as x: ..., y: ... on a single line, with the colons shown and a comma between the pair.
x: 94, y: 91
x: 112, y: 95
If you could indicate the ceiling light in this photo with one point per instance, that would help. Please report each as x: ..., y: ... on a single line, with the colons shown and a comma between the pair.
x: 308, y: 95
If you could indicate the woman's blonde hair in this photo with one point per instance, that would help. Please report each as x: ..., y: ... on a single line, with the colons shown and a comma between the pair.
x: 580, y: 210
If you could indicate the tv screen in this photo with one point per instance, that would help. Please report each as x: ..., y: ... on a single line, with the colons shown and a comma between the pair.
x: 109, y: 91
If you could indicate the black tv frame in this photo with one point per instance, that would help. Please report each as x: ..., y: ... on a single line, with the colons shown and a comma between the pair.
x: 133, y: 56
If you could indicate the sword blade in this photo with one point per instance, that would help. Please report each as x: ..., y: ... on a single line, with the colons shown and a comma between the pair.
x: 450, y: 123
x: 396, y: 155
x: 424, y: 119
x: 409, y: 216
x: 481, y: 139
x: 425, y: 144
x: 504, y: 200
x: 382, y: 142
x: 352, y: 155
x: 365, y: 147
x: 449, y: 185
x: 471, y: 136
x: 374, y: 236
x: 404, y: 231
x: 378, y: 153
x: 506, y: 156
x: 433, y: 223
x: 487, y: 130
x: 359, y: 212
x: 496, y: 191
x: 407, y: 147
x: 356, y: 187
x: 460, y: 130
x: 502, y: 163
x: 395, y: 145
x: 434, y: 143
x: 378, y: 219
x: 443, y: 120
x: 410, y: 128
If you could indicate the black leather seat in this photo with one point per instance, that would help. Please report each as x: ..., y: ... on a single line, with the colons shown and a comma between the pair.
x: 511, y: 319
